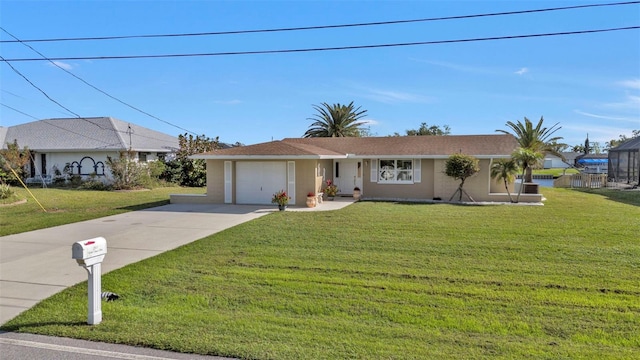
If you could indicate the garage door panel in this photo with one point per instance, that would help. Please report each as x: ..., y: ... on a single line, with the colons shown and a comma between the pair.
x: 257, y: 181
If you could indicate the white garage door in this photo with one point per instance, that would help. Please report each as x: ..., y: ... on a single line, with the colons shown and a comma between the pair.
x: 257, y: 181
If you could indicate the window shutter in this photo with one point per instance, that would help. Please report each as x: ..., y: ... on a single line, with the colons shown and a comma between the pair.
x: 374, y: 170
x: 291, y: 181
x: 228, y: 181
x: 417, y: 170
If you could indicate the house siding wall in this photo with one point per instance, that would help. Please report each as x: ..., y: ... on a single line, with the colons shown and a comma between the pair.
x: 59, y: 160
x: 306, y: 180
x: 305, y: 173
x: 215, y: 181
x: 423, y: 190
x: 434, y: 183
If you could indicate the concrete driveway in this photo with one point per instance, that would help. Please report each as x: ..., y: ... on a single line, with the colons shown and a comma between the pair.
x: 37, y: 264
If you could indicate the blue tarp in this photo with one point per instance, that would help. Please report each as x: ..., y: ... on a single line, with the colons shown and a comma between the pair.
x: 593, y: 161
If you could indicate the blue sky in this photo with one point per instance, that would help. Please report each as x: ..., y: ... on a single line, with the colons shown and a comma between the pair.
x: 588, y: 83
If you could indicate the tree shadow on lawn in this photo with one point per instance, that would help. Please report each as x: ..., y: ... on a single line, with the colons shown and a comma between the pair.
x: 21, y: 327
x: 629, y: 197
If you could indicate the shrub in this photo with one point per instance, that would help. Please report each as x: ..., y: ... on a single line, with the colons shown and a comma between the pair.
x: 94, y: 185
x: 6, y: 191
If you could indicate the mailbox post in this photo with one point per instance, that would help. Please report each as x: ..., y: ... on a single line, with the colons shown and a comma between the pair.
x: 89, y: 254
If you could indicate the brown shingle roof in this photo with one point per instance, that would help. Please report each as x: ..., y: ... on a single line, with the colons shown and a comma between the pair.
x: 416, y: 146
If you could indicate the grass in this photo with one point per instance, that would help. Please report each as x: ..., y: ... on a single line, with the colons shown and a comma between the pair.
x: 555, y: 171
x: 65, y: 206
x: 385, y: 281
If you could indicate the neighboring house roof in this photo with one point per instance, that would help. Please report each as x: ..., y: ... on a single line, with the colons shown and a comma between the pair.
x: 481, y: 146
x: 81, y: 134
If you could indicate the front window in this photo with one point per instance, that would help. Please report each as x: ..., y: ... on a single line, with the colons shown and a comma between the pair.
x: 396, y: 171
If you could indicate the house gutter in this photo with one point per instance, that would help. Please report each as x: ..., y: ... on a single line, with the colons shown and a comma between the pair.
x: 267, y: 157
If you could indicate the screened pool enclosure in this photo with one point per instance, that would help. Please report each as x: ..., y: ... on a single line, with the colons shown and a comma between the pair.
x: 624, y: 162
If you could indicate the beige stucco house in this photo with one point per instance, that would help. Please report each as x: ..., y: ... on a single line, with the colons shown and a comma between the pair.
x: 383, y: 168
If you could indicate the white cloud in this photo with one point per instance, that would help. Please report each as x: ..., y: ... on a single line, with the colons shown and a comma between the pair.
x: 605, y: 117
x: 61, y: 64
x: 228, y: 102
x: 389, y: 97
x: 630, y: 83
x: 631, y: 102
x: 457, y: 67
x: 522, y: 71
x: 371, y: 122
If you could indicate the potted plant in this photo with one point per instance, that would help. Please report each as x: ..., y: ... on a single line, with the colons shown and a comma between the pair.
x: 331, y: 190
x: 281, y: 198
x: 356, y: 193
x: 311, y: 199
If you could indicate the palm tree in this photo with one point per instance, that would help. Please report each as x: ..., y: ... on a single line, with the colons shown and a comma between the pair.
x: 526, y: 158
x: 336, y: 121
x: 505, y: 170
x: 537, y: 139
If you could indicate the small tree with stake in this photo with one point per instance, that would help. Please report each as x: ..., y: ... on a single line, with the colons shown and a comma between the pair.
x: 461, y: 167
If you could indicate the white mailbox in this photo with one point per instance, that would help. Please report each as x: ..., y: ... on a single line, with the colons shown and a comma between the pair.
x: 89, y: 252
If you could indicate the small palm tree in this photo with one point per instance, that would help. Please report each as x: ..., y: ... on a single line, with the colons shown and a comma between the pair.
x: 336, y: 121
x: 526, y: 158
x: 537, y: 139
x: 505, y: 170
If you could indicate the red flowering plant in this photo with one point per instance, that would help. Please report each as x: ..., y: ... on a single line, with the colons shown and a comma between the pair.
x: 281, y: 198
x: 331, y: 190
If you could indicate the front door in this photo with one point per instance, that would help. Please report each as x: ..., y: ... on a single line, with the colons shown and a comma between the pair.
x: 348, y: 175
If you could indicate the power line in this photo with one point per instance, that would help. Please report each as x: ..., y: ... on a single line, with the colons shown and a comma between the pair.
x: 303, y: 28
x: 18, y: 111
x: 96, y: 88
x: 355, y: 47
x: 62, y: 106
x: 39, y: 89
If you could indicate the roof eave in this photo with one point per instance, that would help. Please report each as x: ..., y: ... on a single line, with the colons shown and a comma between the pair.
x: 266, y: 157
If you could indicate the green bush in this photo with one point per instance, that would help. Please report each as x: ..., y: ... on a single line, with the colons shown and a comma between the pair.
x: 94, y: 185
x: 6, y: 191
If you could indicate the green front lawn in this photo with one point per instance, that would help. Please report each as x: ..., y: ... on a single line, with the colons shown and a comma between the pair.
x: 63, y: 206
x: 555, y: 172
x: 385, y: 280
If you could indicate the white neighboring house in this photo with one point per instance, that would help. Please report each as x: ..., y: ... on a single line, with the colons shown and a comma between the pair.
x: 82, y: 145
x: 554, y: 162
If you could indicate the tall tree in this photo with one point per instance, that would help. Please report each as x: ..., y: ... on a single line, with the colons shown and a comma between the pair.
x: 336, y: 121
x: 505, y: 170
x: 623, y: 138
x: 184, y: 170
x: 537, y: 139
x: 425, y: 129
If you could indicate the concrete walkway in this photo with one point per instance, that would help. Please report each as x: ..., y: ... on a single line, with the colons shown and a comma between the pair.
x: 37, y: 264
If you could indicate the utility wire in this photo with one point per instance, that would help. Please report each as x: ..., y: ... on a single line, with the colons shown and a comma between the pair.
x: 355, y: 47
x: 18, y: 111
x: 62, y: 106
x: 96, y: 88
x: 377, y: 23
x: 39, y: 89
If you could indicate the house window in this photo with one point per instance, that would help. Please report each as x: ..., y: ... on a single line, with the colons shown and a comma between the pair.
x: 142, y: 157
x: 395, y: 172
